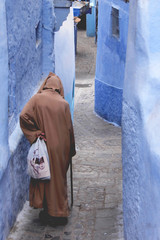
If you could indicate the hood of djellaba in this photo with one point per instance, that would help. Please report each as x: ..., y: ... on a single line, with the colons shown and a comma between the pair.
x: 52, y: 82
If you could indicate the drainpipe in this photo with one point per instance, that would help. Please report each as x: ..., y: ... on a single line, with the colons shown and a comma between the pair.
x: 48, y: 59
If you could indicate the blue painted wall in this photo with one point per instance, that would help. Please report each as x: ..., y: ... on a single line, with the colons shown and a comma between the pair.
x: 27, y: 55
x: 21, y: 64
x: 65, y: 56
x: 3, y: 89
x: 140, y: 124
x: 24, y: 53
x: 13, y: 188
x: 110, y: 64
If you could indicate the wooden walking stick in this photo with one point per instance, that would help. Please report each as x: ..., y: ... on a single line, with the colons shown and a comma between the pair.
x: 71, y: 177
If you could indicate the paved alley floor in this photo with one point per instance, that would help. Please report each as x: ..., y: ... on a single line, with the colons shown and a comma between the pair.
x: 97, y: 169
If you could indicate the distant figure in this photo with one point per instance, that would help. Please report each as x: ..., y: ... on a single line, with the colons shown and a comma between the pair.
x: 47, y: 115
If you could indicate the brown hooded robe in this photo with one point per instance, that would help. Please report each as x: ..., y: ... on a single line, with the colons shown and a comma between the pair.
x: 47, y: 112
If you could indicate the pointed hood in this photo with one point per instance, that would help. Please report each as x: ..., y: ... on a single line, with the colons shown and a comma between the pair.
x: 52, y: 82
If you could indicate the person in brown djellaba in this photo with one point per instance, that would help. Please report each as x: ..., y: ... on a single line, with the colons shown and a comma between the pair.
x: 47, y: 114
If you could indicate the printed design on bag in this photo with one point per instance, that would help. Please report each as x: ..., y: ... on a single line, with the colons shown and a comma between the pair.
x: 37, y: 163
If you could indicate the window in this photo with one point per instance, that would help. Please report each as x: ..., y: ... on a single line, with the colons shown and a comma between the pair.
x: 38, y: 30
x: 115, y: 22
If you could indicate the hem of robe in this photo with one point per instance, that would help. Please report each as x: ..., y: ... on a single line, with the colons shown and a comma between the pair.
x: 52, y: 213
x: 58, y: 214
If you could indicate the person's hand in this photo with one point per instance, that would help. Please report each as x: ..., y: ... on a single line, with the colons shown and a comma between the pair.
x: 42, y: 136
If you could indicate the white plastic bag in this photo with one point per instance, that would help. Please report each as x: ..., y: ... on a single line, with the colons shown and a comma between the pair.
x: 38, y: 161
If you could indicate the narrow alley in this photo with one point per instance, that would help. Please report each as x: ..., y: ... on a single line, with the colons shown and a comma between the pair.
x: 97, y: 168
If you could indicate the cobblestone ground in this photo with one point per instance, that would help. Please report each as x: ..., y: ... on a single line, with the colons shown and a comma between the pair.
x: 97, y: 169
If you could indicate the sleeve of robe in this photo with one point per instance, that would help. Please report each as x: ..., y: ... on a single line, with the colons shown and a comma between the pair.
x: 28, y: 121
x: 71, y: 131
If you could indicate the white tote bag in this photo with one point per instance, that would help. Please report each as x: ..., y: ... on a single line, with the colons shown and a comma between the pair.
x: 38, y: 161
